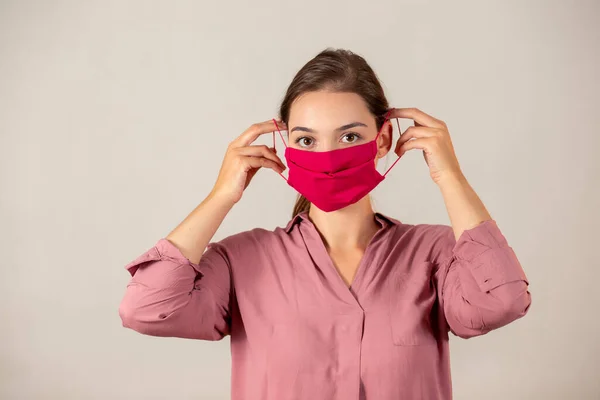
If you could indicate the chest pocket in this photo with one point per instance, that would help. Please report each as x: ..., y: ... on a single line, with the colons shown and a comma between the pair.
x: 412, y: 299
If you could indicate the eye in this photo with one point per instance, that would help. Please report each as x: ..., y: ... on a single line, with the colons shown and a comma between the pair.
x: 304, y: 141
x: 350, y: 138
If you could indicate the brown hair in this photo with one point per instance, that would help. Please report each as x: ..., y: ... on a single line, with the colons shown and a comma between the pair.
x: 335, y: 70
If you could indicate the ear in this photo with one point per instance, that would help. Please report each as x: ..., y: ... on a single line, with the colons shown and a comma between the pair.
x: 384, y: 142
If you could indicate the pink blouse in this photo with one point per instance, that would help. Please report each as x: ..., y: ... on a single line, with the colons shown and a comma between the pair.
x: 298, y: 332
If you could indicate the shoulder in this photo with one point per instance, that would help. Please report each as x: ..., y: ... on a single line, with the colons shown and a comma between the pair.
x: 248, y: 243
x: 434, y: 241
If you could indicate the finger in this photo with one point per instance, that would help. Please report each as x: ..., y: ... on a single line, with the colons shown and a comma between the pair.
x: 255, y: 130
x: 260, y: 151
x: 261, y: 162
x: 417, y: 115
x: 421, y: 143
x: 415, y: 132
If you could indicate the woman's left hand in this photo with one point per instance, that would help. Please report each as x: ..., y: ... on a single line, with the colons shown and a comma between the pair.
x: 430, y: 135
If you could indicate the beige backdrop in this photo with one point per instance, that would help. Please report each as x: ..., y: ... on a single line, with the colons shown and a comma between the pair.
x: 114, y: 116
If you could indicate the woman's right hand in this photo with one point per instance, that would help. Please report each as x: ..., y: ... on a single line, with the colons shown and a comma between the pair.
x: 242, y: 161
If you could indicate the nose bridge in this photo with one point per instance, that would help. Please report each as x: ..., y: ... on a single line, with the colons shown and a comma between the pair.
x: 327, y: 145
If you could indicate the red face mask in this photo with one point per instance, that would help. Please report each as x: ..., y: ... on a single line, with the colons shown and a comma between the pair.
x: 334, y: 179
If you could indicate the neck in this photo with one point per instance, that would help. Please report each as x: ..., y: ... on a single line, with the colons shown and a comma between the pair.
x: 349, y: 227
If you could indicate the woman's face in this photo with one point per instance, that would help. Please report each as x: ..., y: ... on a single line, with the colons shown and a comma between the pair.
x: 324, y: 121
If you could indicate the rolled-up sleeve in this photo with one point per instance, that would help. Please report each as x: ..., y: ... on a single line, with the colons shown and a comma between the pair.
x: 481, y: 284
x: 168, y: 295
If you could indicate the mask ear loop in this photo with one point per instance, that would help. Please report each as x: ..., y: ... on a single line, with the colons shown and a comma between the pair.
x: 282, y: 139
x: 398, y: 123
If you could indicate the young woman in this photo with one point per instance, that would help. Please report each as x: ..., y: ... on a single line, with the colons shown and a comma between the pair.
x: 343, y: 302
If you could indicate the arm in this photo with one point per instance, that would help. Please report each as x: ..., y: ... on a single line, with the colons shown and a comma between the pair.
x: 194, y: 233
x: 182, y: 286
x: 484, y: 286
x: 481, y: 285
x: 178, y: 289
x: 464, y: 207
x: 168, y: 295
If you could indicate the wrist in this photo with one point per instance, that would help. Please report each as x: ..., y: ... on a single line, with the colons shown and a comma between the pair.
x: 220, y: 199
x: 452, y: 179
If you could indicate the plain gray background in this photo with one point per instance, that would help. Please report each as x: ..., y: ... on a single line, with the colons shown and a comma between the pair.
x: 115, y: 115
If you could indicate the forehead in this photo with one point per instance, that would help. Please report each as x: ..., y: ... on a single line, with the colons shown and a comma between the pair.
x: 324, y: 108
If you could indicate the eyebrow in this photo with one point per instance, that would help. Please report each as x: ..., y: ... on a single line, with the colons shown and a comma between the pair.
x: 341, y: 128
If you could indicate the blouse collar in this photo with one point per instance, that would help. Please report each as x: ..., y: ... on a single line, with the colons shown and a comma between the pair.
x: 381, y: 218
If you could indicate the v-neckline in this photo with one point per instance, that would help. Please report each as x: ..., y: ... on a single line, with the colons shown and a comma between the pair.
x: 348, y: 290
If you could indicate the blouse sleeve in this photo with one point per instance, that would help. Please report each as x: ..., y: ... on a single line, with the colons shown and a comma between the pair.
x: 481, y: 284
x: 168, y: 295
